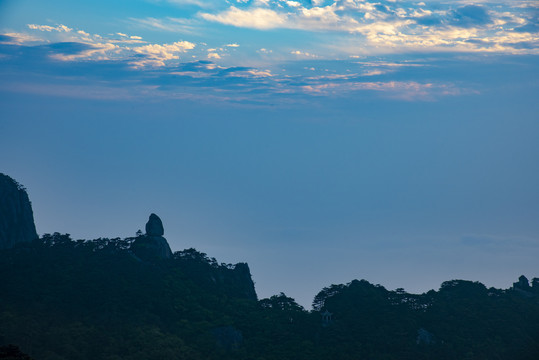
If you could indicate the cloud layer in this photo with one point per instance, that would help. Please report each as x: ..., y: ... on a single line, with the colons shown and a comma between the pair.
x: 390, y: 26
x: 243, y: 50
x: 57, y: 69
x: 323, y: 28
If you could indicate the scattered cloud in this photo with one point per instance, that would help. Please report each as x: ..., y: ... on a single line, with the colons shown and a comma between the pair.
x: 156, y: 55
x: 365, y: 27
x: 350, y: 30
x: 158, y: 67
x: 302, y: 53
x: 392, y: 26
x: 59, y: 28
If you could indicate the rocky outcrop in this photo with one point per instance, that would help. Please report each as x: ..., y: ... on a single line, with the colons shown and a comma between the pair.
x: 242, y: 275
x: 152, y: 245
x: 154, y: 226
x: 16, y: 216
x: 522, y: 284
x: 523, y: 288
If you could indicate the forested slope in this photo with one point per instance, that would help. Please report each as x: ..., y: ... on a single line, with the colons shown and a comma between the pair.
x: 66, y: 299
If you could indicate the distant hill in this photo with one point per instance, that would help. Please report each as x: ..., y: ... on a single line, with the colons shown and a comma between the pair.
x: 133, y: 299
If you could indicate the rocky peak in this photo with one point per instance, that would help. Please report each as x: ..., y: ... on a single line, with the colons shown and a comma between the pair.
x: 152, y: 245
x: 522, y: 284
x: 16, y: 216
x: 154, y: 226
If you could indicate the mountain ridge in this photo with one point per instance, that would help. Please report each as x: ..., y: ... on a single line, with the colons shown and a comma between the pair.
x: 131, y: 299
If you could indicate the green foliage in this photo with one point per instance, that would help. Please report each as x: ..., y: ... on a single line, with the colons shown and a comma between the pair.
x: 281, y: 302
x: 66, y: 299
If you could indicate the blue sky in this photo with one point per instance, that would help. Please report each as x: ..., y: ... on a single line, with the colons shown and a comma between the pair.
x: 319, y: 141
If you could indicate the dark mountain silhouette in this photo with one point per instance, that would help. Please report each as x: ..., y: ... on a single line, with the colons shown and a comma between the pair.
x: 16, y: 216
x: 131, y: 299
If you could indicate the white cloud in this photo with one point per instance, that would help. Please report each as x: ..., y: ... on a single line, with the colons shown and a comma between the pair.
x: 293, y: 4
x: 358, y: 28
x: 326, y: 13
x: 391, y: 28
x: 314, y: 18
x: 374, y: 72
x: 256, y: 18
x: 301, y: 53
x: 20, y: 38
x: 156, y: 54
x: 59, y: 28
x: 260, y: 73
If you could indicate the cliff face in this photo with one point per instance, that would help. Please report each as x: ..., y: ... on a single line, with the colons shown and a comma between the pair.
x: 242, y: 275
x: 16, y: 216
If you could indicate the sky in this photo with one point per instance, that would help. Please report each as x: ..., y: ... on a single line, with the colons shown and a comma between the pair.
x: 319, y: 141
